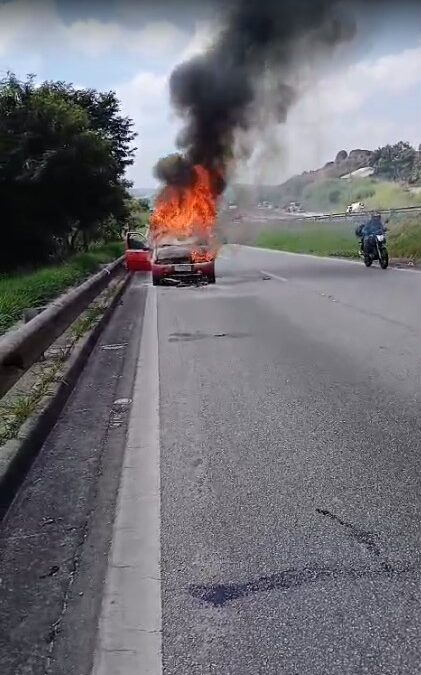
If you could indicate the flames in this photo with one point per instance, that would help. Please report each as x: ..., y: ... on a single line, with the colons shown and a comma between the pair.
x: 188, y: 211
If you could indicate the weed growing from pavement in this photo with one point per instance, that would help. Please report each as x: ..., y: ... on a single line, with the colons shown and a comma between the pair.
x: 21, y: 407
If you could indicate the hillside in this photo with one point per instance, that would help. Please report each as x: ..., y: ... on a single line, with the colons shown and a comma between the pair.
x: 293, y: 189
x: 396, y: 171
x: 334, y: 195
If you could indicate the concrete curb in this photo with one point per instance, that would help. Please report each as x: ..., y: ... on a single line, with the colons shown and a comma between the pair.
x: 18, y: 454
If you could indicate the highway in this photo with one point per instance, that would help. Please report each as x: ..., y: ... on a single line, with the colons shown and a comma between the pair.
x: 267, y: 435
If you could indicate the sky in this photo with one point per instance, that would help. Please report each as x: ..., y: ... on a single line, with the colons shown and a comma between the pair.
x: 368, y: 98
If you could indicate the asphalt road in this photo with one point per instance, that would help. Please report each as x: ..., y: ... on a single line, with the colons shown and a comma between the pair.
x: 289, y: 471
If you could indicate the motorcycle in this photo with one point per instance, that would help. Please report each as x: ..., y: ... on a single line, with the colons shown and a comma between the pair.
x: 375, y: 248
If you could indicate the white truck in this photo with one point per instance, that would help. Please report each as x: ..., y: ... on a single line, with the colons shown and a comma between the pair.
x: 356, y: 207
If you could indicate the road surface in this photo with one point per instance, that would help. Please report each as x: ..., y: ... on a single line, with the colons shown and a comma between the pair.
x: 268, y: 519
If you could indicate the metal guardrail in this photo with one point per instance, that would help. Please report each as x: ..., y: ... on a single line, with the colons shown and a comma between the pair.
x: 21, y: 348
x: 361, y: 214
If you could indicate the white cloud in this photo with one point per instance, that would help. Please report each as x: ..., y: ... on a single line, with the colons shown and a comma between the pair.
x: 26, y: 23
x: 394, y: 72
x: 38, y: 25
x: 97, y: 38
x: 93, y: 37
x: 203, y: 36
x: 145, y: 99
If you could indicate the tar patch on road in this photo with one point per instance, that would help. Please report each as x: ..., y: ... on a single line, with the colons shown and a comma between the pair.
x: 191, y: 337
x: 369, y: 540
x: 219, y: 595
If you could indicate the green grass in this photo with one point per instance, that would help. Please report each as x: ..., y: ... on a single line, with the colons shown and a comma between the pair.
x: 404, y: 240
x: 316, y: 241
x: 20, y: 292
x: 334, y: 195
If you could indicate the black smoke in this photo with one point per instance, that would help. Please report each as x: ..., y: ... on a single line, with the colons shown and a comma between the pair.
x: 217, y: 93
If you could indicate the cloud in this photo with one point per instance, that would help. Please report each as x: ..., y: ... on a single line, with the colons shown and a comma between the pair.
x: 145, y: 98
x: 26, y: 23
x: 39, y: 26
x: 97, y: 38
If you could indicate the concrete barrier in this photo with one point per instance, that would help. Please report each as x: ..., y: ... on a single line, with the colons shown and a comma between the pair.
x: 21, y: 348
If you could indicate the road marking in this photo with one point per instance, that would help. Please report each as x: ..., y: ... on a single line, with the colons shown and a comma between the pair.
x: 273, y: 276
x: 129, y: 637
x: 331, y: 259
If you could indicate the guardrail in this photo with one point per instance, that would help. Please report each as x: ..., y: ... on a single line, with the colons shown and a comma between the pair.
x: 361, y: 214
x: 21, y: 348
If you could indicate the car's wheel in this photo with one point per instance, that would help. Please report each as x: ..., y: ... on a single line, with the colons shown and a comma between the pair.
x: 156, y: 281
x: 211, y: 278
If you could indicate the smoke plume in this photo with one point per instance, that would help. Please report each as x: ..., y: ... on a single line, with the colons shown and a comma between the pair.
x: 246, y: 79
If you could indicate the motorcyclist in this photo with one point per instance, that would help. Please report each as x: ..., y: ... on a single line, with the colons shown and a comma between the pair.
x: 373, y: 226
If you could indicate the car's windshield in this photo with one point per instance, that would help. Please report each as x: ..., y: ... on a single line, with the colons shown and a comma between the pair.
x: 136, y: 243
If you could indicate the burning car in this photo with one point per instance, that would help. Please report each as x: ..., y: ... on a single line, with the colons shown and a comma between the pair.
x: 188, y: 260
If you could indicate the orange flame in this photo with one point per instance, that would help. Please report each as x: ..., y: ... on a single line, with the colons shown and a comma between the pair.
x: 187, y: 212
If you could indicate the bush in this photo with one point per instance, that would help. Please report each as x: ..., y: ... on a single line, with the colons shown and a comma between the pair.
x: 335, y: 196
x: 21, y: 292
x: 365, y: 193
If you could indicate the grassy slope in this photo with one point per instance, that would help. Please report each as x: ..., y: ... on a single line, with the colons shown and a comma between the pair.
x: 21, y: 292
x: 335, y: 194
x: 318, y: 242
x: 404, y: 241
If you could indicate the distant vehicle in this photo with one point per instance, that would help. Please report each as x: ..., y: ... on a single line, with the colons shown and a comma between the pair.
x: 189, y: 260
x: 356, y: 207
x: 294, y: 207
x: 137, y: 252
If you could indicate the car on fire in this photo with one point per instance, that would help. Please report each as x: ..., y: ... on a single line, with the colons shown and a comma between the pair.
x: 186, y: 260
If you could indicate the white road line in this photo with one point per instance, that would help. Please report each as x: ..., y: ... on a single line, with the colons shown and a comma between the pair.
x: 273, y: 276
x: 129, y: 639
x: 331, y: 259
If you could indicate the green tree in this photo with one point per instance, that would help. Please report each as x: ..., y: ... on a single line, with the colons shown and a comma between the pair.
x: 394, y: 162
x: 63, y: 155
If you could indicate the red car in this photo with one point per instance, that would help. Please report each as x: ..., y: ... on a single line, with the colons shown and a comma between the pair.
x: 137, y: 253
x: 181, y: 261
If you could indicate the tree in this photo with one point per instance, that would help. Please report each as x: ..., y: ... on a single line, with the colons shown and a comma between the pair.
x: 63, y: 154
x: 139, y: 213
x: 394, y: 162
